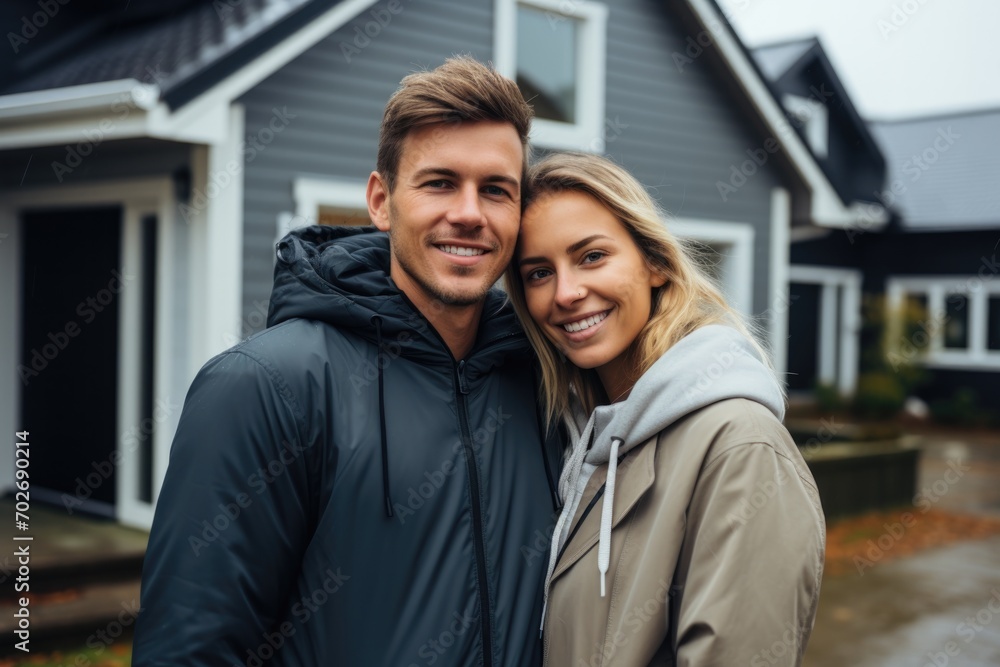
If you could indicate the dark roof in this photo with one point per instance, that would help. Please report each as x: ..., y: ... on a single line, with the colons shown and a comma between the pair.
x: 788, y: 66
x: 776, y: 59
x: 184, y: 53
x: 947, y: 169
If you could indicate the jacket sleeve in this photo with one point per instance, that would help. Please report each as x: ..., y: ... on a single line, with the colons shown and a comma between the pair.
x: 232, y: 520
x: 753, y: 556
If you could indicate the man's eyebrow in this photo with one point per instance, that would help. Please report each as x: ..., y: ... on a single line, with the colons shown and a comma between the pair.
x: 571, y: 249
x: 451, y: 173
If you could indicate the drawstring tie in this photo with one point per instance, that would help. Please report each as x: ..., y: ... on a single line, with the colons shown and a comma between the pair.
x: 569, y: 492
x: 604, y: 546
x: 377, y: 321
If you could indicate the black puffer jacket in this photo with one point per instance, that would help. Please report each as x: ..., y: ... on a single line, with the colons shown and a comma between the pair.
x: 272, y: 541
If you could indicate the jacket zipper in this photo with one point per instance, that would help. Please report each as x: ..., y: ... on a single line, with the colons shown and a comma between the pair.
x: 477, y: 515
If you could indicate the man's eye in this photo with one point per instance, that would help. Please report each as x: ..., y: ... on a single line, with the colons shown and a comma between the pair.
x: 495, y: 190
x: 439, y: 183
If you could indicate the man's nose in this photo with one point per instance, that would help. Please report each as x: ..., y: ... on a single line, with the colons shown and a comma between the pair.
x: 467, y: 207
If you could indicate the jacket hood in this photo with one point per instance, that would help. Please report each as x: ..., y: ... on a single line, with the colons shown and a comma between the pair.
x: 340, y: 275
x: 708, y: 365
x: 711, y: 364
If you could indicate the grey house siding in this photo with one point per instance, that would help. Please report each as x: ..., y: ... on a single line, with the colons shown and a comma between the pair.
x: 338, y: 107
x: 684, y: 132
x: 678, y: 131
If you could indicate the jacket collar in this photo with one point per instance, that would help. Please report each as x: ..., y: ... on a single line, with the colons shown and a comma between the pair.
x: 636, y: 475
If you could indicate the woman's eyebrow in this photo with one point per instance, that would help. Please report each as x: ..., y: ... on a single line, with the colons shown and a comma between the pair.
x: 569, y: 250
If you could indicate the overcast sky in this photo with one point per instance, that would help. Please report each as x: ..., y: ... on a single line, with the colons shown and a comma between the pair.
x: 897, y: 58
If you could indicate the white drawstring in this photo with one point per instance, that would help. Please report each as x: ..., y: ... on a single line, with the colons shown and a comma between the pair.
x: 604, y: 546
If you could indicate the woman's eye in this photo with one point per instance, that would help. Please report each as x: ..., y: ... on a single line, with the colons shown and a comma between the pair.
x: 593, y: 256
x: 538, y: 274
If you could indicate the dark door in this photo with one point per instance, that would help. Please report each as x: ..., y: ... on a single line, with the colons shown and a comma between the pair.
x: 803, y: 336
x: 72, y: 289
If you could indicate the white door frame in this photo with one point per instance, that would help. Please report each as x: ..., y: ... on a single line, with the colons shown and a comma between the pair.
x: 737, y: 265
x: 847, y: 337
x: 138, y: 198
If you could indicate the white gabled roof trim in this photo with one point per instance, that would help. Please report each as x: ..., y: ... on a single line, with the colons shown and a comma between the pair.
x: 76, y: 99
x: 826, y: 207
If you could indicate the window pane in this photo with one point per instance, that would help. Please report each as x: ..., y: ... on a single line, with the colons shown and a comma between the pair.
x: 993, y: 324
x: 546, y: 63
x: 956, y: 328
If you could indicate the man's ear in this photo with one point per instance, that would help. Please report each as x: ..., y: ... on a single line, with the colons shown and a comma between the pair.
x: 377, y: 195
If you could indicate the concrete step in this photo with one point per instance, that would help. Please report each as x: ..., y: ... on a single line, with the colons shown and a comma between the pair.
x: 96, y: 615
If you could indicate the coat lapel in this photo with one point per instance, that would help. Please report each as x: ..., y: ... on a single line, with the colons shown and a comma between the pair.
x: 635, y: 475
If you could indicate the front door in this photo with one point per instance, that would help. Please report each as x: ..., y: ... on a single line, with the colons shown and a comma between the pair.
x: 71, y: 299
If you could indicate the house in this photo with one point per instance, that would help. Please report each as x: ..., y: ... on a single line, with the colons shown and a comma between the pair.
x: 942, y: 254
x: 937, y: 177
x: 824, y: 342
x: 149, y: 160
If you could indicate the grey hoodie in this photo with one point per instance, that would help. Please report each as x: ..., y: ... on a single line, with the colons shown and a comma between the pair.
x: 711, y: 364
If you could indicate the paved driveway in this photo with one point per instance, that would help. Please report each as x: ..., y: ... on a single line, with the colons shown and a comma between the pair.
x: 940, y: 607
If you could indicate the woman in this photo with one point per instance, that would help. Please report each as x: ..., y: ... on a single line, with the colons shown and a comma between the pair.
x: 691, y: 531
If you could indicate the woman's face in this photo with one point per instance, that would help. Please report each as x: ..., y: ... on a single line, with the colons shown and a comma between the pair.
x: 586, y: 283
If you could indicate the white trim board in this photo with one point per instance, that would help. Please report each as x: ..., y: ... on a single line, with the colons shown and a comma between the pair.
x: 138, y: 198
x: 838, y: 347
x: 737, y: 264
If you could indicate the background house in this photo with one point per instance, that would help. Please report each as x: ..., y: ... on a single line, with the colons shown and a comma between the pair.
x: 937, y: 254
x: 150, y: 159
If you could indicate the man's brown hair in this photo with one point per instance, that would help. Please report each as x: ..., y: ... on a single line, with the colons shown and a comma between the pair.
x: 460, y: 90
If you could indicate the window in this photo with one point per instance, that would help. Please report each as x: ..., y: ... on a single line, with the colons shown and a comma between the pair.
x: 960, y: 323
x: 811, y: 115
x: 555, y: 51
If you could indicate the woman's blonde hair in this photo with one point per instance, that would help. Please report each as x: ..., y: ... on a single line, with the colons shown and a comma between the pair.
x: 686, y: 301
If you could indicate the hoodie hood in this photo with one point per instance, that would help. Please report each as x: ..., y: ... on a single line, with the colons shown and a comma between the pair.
x: 711, y: 364
x: 340, y: 275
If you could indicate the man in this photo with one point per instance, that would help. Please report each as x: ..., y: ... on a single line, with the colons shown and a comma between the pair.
x: 364, y: 483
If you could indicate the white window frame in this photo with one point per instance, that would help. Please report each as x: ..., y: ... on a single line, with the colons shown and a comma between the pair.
x: 937, y: 288
x: 846, y: 339
x: 813, y: 115
x: 737, y: 264
x: 587, y: 133
x: 310, y: 193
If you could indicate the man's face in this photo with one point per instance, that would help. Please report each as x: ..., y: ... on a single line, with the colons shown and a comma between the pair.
x: 454, y: 215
